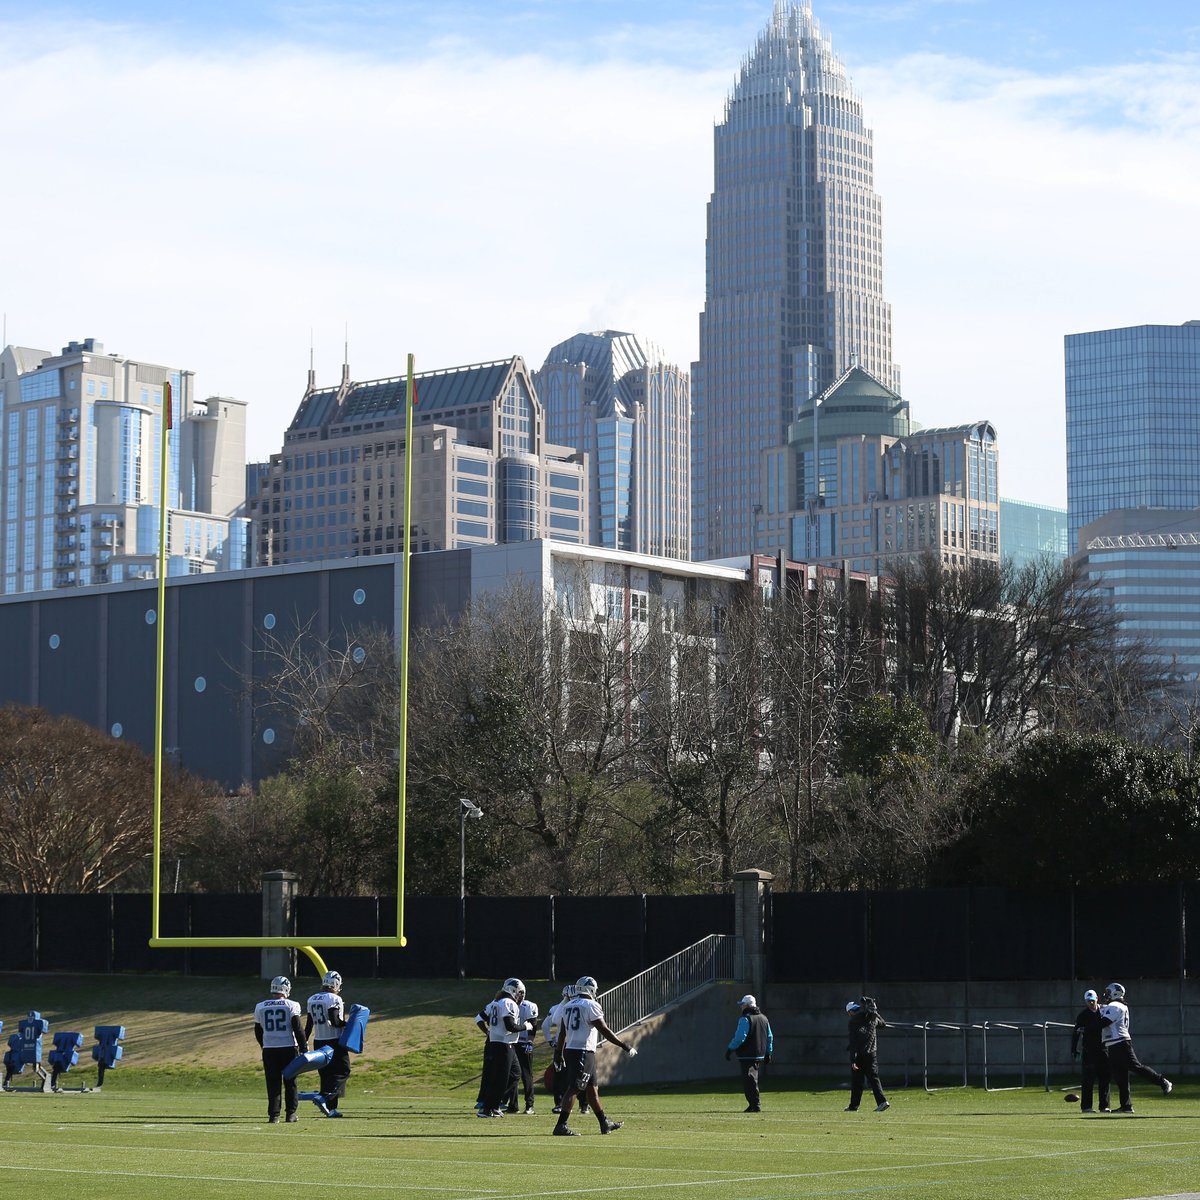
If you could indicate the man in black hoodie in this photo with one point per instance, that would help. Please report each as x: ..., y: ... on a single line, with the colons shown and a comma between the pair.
x: 864, y: 1022
x: 752, y: 1042
x: 1095, y: 1069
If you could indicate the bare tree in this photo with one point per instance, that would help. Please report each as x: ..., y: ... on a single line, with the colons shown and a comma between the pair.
x: 1012, y: 649
x: 76, y: 806
x: 825, y: 652
x: 528, y: 711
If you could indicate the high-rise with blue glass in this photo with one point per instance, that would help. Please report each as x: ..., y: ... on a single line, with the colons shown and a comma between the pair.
x: 794, y: 294
x: 79, y: 462
x: 615, y: 397
x: 1133, y: 490
x: 1133, y: 421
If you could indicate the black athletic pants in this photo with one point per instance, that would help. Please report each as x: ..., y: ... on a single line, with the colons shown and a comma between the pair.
x: 1094, y: 1071
x: 868, y: 1072
x: 1123, y: 1062
x: 333, y: 1077
x: 750, y: 1068
x: 500, y: 1075
x: 525, y: 1066
x: 274, y: 1059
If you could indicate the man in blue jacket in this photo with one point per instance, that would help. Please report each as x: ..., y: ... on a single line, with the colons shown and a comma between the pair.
x: 752, y: 1042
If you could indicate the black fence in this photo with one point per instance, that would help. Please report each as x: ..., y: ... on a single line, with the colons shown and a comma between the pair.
x: 919, y: 936
x: 542, y: 937
x: 985, y: 933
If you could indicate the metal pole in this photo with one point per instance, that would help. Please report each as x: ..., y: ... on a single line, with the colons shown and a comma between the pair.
x: 462, y: 890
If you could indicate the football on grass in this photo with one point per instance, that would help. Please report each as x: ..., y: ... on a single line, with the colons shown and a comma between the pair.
x: 1071, y: 1098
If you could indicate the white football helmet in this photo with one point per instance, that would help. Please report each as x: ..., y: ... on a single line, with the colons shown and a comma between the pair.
x: 331, y: 981
x: 585, y: 985
x: 513, y: 988
x: 569, y: 991
x: 281, y: 984
x: 1114, y: 991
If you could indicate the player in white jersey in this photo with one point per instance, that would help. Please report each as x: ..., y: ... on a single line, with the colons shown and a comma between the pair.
x: 1118, y: 1045
x: 325, y: 1021
x: 500, y: 1020
x: 527, y: 1014
x: 278, y: 1031
x: 579, y: 1034
x: 550, y: 1033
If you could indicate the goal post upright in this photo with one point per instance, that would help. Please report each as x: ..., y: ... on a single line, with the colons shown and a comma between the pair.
x: 306, y: 945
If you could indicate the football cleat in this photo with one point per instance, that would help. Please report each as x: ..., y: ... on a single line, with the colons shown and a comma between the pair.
x: 319, y: 1101
x: 513, y: 988
x: 585, y: 985
x: 883, y: 1106
x: 611, y: 1126
x: 848, y: 1108
x: 291, y: 1119
x: 529, y: 1110
x: 331, y: 981
x: 333, y: 1112
x: 565, y: 1131
x: 281, y: 984
x: 273, y: 1120
x: 1125, y: 1108
x: 1168, y: 1087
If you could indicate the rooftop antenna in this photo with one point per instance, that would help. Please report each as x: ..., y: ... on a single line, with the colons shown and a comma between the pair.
x: 312, y: 372
x: 346, y: 356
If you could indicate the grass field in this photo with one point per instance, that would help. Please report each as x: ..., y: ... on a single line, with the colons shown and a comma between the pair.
x: 185, y: 1116
x: 133, y: 1142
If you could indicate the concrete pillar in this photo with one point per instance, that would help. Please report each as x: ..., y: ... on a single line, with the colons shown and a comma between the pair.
x: 750, y: 891
x: 279, y: 897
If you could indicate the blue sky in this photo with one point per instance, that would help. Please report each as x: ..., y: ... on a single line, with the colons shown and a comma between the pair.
x: 226, y: 184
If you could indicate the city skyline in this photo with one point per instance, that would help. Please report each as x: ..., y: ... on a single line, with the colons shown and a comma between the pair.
x: 270, y: 187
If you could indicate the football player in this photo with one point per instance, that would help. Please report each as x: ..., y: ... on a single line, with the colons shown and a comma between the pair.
x: 579, y: 1034
x: 500, y: 1020
x: 550, y: 1033
x: 326, y: 1018
x: 1118, y: 1045
x: 527, y: 1014
x: 279, y: 1032
x: 864, y: 1021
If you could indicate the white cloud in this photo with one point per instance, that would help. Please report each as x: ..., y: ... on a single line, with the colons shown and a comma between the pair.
x: 207, y: 210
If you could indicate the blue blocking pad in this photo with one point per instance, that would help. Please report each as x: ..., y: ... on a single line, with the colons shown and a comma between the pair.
x: 351, y: 1037
x: 312, y: 1061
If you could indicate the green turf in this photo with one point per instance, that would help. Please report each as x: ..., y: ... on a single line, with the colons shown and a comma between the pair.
x: 134, y: 1142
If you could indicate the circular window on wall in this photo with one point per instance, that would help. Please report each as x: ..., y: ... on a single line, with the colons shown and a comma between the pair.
x: 117, y: 729
x: 269, y: 621
x: 269, y: 736
x: 360, y: 597
x: 55, y: 641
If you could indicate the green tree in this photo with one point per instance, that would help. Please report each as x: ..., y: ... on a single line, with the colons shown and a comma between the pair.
x: 1080, y: 808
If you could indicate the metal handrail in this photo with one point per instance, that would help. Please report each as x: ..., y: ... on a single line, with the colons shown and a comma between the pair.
x: 718, y: 956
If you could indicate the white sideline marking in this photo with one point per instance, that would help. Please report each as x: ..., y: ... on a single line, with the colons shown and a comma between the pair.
x: 923, y: 1166
x: 275, y: 1180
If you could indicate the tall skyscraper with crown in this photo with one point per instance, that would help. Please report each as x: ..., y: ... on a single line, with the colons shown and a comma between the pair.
x: 794, y: 295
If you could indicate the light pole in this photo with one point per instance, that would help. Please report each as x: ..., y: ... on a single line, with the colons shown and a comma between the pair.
x: 465, y: 809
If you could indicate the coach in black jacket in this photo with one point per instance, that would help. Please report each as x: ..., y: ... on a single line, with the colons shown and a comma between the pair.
x: 1095, y: 1069
x: 865, y: 1021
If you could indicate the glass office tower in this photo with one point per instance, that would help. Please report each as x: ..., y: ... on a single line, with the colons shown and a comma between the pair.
x: 1133, y: 421
x: 614, y: 397
x: 794, y: 294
